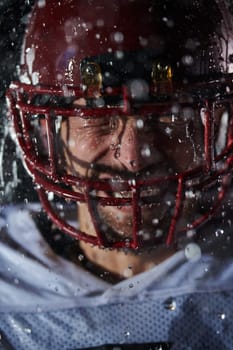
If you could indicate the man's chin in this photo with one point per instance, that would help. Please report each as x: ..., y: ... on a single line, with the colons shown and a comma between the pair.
x: 118, y: 224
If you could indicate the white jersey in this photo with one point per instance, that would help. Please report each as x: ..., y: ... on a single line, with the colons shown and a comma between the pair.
x: 47, y: 302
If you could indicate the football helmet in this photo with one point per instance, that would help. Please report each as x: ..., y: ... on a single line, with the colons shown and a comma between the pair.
x: 168, y: 65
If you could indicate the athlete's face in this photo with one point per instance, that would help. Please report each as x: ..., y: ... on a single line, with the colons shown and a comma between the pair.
x: 135, y: 147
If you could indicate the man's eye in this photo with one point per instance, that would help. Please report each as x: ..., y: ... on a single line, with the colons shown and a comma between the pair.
x: 94, y: 122
x: 105, y: 124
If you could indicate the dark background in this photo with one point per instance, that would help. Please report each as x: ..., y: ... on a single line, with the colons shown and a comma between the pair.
x: 13, y: 19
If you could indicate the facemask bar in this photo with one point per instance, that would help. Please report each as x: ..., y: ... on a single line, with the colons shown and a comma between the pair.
x: 47, y: 177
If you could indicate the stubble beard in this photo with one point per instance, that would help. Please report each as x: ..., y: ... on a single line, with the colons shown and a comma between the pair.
x: 119, y: 224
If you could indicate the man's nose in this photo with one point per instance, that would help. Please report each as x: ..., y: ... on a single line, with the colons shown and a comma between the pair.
x: 134, y: 150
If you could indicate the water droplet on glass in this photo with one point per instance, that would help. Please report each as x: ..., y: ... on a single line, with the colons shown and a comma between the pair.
x: 140, y: 124
x: 222, y: 316
x: 192, y: 251
x: 132, y: 163
x: 158, y: 233
x: 41, y: 3
x: 100, y: 22
x: 169, y: 22
x: 187, y: 60
x: 190, y: 194
x: 139, y: 89
x: 27, y: 330
x: 170, y: 304
x: 168, y: 130
x: 81, y: 257
x: 119, y: 54
x: 155, y: 221
x: 50, y: 196
x: 38, y: 309
x: 219, y: 232
x: 127, y: 333
x: 117, y: 153
x: 191, y: 233
x: 146, y: 152
x: 118, y: 37
x: 128, y: 272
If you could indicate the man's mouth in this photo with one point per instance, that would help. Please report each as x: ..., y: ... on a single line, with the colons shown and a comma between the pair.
x: 147, y: 198
x: 143, y: 193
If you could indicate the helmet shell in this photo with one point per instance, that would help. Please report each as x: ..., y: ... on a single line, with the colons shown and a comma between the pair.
x: 62, y: 34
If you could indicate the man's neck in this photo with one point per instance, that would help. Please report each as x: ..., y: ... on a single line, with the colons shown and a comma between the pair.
x: 125, y: 264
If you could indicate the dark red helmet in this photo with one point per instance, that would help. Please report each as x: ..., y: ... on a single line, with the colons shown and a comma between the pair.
x: 101, y: 63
